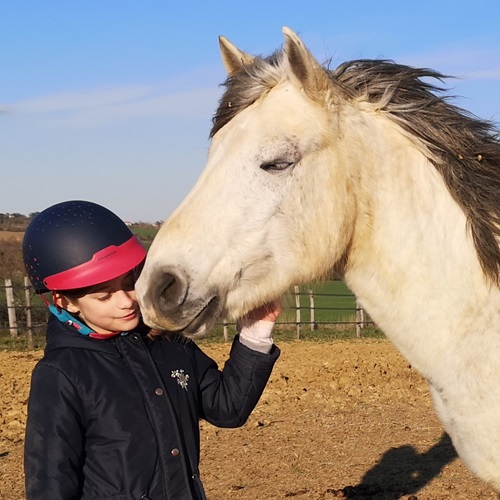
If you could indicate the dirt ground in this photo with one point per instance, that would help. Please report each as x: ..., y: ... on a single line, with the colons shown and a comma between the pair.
x: 347, y: 419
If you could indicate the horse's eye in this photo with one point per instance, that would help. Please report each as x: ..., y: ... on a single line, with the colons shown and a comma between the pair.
x: 276, y: 166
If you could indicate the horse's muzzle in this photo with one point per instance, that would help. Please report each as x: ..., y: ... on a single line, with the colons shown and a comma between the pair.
x: 166, y: 303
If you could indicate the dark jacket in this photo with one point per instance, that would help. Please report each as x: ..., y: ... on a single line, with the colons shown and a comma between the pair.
x: 117, y: 419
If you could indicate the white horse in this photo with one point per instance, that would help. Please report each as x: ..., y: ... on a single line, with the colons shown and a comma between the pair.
x: 366, y: 170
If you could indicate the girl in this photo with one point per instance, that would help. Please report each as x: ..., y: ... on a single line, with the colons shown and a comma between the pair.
x: 114, y: 408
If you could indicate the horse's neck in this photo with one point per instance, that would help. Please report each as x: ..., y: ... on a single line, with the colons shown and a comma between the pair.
x: 413, y: 265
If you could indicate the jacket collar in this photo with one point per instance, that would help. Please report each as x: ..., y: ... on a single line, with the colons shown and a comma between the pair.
x: 60, y: 335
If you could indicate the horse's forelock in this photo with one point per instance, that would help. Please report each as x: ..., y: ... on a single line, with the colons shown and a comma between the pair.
x: 244, y: 87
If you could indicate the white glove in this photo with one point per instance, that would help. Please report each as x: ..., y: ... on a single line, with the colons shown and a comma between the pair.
x: 256, y: 327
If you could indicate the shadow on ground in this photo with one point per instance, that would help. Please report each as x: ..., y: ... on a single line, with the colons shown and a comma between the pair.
x: 400, y: 472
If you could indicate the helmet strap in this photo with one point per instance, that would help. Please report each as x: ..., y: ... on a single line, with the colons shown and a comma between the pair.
x: 65, y: 317
x: 68, y: 319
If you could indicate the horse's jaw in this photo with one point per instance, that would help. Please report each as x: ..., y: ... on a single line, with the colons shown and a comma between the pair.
x: 179, y: 296
x: 170, y: 300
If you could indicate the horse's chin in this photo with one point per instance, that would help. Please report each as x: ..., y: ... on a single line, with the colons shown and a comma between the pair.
x: 192, y: 323
x: 203, y: 322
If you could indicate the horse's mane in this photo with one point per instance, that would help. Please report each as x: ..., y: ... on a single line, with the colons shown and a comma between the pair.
x: 462, y: 147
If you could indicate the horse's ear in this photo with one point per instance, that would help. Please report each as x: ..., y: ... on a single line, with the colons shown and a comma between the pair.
x: 304, y: 67
x: 232, y: 57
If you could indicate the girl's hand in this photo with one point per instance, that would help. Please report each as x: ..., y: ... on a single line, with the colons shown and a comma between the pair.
x: 256, y: 327
x: 266, y: 312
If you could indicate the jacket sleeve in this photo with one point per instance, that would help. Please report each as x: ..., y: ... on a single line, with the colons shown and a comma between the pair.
x: 229, y: 396
x: 53, y: 457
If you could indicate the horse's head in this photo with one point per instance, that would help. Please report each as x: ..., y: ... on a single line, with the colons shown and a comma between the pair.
x: 270, y: 209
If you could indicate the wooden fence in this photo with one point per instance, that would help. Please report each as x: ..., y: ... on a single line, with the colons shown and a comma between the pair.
x: 22, y: 312
x: 13, y: 305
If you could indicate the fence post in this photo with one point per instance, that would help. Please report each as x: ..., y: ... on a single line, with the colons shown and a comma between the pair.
x: 226, y: 330
x: 11, y: 308
x: 297, y: 311
x: 311, y: 307
x: 29, y: 323
x: 360, y: 318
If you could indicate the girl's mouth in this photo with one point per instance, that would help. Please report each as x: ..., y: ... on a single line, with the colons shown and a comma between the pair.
x: 130, y: 316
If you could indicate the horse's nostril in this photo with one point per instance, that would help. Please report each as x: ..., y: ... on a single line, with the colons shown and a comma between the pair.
x: 168, y: 283
x: 171, y: 291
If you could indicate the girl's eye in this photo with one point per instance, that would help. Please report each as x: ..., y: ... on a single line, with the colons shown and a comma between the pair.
x: 103, y: 298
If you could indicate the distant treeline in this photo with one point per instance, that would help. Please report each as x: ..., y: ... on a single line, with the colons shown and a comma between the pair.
x: 19, y: 222
x: 15, y: 222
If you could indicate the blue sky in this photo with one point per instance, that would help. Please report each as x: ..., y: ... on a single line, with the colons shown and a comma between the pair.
x: 111, y: 100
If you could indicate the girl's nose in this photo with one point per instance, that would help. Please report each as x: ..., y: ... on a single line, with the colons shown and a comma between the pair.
x: 125, y: 298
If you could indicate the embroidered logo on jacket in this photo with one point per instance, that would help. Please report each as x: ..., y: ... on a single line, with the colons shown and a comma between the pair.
x: 182, y: 378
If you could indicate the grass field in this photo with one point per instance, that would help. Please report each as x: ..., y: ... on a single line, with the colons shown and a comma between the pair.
x: 333, y: 301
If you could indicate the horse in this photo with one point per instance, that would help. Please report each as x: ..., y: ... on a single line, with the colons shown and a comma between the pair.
x: 369, y: 171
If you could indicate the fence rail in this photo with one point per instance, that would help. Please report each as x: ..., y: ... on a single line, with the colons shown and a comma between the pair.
x: 24, y: 313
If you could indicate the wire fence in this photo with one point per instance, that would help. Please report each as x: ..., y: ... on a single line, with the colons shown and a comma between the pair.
x: 24, y: 314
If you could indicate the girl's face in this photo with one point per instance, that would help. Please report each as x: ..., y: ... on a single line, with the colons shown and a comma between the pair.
x: 108, y: 307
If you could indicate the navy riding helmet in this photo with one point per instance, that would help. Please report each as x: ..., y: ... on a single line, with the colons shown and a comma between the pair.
x: 76, y: 244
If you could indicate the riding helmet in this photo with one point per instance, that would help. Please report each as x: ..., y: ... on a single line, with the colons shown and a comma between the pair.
x: 76, y: 244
